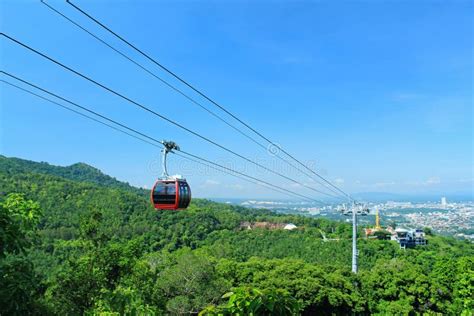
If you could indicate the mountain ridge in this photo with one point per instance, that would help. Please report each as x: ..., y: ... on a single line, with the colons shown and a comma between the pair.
x: 79, y: 171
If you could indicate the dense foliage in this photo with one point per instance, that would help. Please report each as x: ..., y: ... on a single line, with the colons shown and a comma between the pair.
x: 75, y: 241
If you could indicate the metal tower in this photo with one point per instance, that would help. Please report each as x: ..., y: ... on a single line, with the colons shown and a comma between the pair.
x: 355, y: 252
x: 355, y: 209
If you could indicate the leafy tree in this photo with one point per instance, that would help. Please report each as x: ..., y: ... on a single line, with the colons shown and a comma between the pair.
x: 382, y: 234
x: 396, y: 286
x: 19, y: 285
x: 122, y: 301
x: 251, y: 301
x: 320, y: 290
x: 189, y: 284
x: 76, y: 287
x: 428, y: 231
x: 18, y: 218
x: 464, y: 287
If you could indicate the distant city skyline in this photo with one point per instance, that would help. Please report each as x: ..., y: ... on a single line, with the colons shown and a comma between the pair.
x: 377, y: 97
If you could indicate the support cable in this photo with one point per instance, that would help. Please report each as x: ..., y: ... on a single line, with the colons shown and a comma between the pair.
x: 169, y: 85
x: 154, y: 142
x: 205, y: 97
x: 194, y: 101
x: 159, y: 115
x: 79, y: 113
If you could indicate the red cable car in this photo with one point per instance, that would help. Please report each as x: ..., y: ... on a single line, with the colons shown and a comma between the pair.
x: 170, y: 193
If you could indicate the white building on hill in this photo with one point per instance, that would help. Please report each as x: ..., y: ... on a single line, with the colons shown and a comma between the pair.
x: 290, y: 226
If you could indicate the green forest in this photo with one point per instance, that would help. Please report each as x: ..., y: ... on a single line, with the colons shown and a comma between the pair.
x: 75, y: 241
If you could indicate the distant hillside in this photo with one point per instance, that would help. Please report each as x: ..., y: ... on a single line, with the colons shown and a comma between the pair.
x: 77, y: 172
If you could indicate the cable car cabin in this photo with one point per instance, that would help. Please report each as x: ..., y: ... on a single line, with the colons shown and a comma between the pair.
x: 171, y: 194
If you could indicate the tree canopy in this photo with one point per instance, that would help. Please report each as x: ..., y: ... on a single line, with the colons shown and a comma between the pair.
x: 75, y: 241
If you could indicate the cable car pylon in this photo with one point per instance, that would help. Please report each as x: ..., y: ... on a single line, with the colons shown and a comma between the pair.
x: 354, y: 209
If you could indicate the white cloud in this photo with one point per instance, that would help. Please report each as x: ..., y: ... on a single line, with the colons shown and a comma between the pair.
x: 339, y: 181
x: 209, y: 183
x: 433, y: 181
x: 238, y: 187
x: 428, y: 182
x: 384, y: 184
x: 407, y: 96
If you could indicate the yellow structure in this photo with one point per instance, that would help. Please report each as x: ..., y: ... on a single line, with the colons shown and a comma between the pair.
x: 377, y: 220
x: 371, y: 231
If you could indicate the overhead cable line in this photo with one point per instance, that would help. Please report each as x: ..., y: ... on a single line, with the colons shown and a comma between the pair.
x: 238, y: 172
x: 253, y: 179
x: 152, y: 141
x: 207, y: 98
x: 160, y: 115
x: 79, y: 113
x: 78, y: 106
x: 286, y: 192
x: 169, y: 85
x: 257, y: 182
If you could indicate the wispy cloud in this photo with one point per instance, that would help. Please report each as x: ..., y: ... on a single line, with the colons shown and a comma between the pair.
x: 384, y: 184
x: 238, y: 187
x: 406, y: 96
x: 432, y: 181
x: 209, y: 183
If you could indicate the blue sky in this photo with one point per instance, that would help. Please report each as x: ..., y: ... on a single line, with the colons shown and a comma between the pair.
x: 377, y: 95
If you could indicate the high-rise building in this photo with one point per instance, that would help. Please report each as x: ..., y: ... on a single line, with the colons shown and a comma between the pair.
x: 443, y: 201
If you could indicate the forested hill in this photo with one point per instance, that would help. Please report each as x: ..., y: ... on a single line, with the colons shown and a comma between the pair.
x: 78, y: 172
x: 74, y: 241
